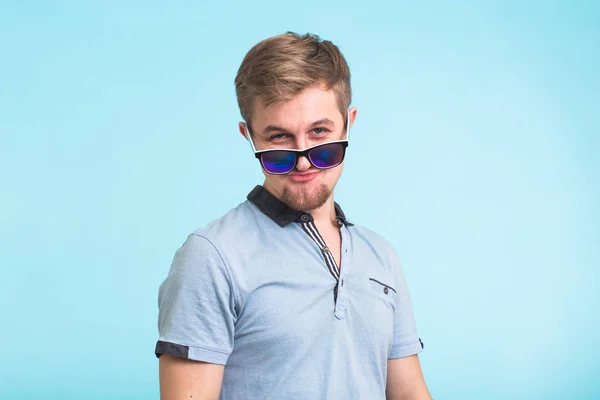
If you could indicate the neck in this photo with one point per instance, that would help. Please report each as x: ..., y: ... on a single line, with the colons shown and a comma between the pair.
x: 325, y: 215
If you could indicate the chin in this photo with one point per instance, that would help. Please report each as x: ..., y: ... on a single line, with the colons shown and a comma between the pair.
x: 306, y: 197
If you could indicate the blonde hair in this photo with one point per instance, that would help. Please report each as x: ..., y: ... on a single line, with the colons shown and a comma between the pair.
x: 278, y: 68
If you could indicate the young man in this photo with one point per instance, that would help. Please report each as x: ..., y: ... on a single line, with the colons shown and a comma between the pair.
x: 283, y: 297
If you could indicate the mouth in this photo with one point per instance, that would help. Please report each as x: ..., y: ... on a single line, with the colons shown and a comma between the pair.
x: 303, y: 177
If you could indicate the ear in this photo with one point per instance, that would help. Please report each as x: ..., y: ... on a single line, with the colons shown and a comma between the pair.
x: 352, y: 111
x: 243, y: 130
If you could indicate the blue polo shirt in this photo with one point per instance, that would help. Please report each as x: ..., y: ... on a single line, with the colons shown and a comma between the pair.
x: 258, y: 291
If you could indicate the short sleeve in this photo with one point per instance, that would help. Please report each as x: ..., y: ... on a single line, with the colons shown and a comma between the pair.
x: 406, y: 341
x: 196, y: 305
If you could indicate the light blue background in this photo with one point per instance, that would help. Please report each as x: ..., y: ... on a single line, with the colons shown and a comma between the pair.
x: 475, y: 152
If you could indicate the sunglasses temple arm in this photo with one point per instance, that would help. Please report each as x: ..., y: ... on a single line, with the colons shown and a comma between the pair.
x: 348, y: 126
x: 250, y: 139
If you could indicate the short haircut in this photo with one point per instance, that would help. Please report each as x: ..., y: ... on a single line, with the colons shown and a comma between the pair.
x: 280, y: 67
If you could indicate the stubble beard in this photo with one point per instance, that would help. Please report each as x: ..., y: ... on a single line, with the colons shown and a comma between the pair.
x: 304, y: 199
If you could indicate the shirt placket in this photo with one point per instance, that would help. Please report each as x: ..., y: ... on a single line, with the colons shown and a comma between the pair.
x: 308, y: 225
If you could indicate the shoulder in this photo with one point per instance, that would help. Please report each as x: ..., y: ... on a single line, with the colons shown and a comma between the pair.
x: 224, y: 240
x: 383, y: 250
x: 378, y: 243
x: 368, y: 241
x: 232, y: 227
x: 208, y: 251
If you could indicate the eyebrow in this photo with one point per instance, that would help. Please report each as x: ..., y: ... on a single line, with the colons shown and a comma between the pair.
x: 322, y: 121
x: 274, y: 128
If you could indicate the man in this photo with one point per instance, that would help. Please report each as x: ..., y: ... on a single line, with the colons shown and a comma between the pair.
x: 283, y: 297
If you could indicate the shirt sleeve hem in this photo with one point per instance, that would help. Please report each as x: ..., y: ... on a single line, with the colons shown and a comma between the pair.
x: 191, y: 352
x: 406, y: 350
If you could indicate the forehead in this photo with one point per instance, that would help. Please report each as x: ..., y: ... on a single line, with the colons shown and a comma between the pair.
x: 312, y: 104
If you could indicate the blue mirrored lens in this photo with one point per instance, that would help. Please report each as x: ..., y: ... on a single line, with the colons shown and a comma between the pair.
x: 327, y: 156
x: 278, y: 162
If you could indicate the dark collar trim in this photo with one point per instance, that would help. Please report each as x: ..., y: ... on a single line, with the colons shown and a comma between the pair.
x: 281, y: 213
x: 339, y: 214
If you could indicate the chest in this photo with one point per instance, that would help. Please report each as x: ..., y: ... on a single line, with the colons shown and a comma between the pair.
x: 289, y: 301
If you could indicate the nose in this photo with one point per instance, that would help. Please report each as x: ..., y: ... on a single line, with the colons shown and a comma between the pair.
x: 303, y: 164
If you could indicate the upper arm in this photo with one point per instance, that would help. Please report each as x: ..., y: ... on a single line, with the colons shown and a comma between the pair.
x: 186, y: 379
x: 406, y: 342
x: 404, y: 376
x: 196, y: 321
x: 405, y: 380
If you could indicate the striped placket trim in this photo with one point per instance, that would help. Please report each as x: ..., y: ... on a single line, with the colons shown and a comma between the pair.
x: 311, y: 229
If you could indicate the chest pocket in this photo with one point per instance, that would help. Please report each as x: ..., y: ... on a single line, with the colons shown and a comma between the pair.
x: 383, y: 291
x: 372, y: 307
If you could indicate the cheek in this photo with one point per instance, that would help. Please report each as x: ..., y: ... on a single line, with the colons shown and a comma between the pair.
x: 273, y: 180
x: 337, y: 171
x: 333, y: 174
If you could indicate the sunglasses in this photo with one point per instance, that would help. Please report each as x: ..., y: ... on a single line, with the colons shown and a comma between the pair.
x: 322, y: 156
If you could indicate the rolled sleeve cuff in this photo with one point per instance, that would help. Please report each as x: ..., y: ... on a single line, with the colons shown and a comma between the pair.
x: 191, y: 353
x: 407, y: 349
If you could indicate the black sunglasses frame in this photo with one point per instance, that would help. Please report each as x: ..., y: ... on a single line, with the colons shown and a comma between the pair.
x: 302, y: 153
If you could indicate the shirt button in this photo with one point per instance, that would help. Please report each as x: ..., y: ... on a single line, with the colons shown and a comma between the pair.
x: 385, y: 290
x: 304, y: 218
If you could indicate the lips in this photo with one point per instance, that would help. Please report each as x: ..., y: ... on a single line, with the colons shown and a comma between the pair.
x: 305, y: 177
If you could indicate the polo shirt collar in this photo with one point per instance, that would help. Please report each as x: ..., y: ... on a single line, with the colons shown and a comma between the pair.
x: 281, y: 213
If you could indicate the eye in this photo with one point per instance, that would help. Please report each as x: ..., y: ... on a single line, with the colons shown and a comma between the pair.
x: 279, y: 136
x: 319, y: 131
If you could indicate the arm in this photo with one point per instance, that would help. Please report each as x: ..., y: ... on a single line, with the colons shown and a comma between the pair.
x: 185, y: 379
x: 405, y: 380
x: 196, y: 323
x: 404, y: 376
